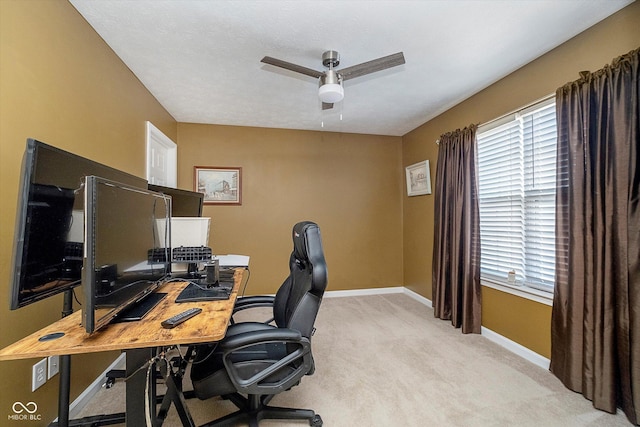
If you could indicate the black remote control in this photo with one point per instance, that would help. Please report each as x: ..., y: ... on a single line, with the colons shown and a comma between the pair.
x: 174, y: 321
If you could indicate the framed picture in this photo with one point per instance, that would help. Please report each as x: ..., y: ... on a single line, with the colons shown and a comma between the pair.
x: 220, y: 185
x: 418, y: 179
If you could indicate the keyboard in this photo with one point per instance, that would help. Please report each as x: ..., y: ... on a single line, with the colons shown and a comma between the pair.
x: 140, y: 309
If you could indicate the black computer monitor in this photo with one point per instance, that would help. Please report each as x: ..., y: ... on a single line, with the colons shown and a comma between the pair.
x: 49, y: 230
x: 184, y: 202
x: 121, y: 266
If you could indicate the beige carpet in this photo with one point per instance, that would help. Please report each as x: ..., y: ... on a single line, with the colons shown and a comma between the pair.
x: 383, y: 360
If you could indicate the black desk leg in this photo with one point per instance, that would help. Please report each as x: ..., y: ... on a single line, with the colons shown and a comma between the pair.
x: 174, y: 395
x: 137, y: 385
x: 64, y: 390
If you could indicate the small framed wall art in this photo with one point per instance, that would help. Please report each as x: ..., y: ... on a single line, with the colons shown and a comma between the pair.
x: 220, y: 185
x: 418, y: 179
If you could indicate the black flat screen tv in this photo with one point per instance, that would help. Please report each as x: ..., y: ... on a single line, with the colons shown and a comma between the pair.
x: 184, y: 203
x: 122, y: 241
x: 49, y: 230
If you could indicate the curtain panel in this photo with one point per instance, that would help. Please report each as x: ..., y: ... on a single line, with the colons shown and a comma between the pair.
x: 456, y: 252
x: 595, y: 328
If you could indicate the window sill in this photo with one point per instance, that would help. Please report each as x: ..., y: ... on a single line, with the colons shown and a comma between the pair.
x: 521, y: 291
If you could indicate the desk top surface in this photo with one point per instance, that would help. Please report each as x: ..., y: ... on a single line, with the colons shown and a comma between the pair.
x: 210, y: 325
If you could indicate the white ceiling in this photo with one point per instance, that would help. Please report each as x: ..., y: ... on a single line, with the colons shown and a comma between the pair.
x: 201, y: 58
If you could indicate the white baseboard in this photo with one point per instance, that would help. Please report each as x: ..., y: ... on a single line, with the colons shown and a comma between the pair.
x: 416, y: 296
x: 378, y: 291
x: 85, y: 397
x: 361, y: 292
x: 516, y: 348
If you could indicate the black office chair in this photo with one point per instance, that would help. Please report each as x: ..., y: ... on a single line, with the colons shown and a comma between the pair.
x: 260, y: 360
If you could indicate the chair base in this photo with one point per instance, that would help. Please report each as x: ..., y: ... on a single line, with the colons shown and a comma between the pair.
x: 255, y: 408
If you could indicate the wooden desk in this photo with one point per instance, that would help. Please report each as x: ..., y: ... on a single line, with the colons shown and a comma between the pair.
x: 210, y: 325
x: 138, y: 339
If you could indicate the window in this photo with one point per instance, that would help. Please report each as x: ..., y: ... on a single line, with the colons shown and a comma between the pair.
x: 517, y: 188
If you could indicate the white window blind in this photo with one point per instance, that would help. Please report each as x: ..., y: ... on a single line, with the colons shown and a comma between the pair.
x: 517, y: 182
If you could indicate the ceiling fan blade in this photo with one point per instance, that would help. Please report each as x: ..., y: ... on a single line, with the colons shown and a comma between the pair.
x: 372, y: 66
x: 292, y: 67
x: 326, y: 106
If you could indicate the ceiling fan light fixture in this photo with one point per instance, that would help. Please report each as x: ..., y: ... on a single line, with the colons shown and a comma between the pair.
x: 330, y: 93
x: 330, y: 82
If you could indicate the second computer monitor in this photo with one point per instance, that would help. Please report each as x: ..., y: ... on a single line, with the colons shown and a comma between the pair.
x: 184, y: 203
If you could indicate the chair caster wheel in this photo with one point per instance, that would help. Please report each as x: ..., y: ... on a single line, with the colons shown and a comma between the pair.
x: 316, y: 421
x: 110, y: 382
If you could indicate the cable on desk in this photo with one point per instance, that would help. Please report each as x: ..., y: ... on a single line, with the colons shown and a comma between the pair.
x: 191, y: 282
x: 75, y: 297
x: 244, y: 288
x: 194, y: 283
x: 206, y: 288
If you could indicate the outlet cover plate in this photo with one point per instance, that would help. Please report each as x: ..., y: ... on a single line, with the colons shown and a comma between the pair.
x: 54, y: 366
x: 39, y: 374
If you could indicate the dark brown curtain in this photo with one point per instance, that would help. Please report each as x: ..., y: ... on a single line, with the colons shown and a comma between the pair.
x: 456, y: 252
x: 595, y: 330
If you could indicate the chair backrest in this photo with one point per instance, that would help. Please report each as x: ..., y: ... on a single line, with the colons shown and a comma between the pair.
x: 298, y: 299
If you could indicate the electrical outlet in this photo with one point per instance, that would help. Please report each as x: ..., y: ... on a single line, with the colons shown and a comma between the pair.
x: 54, y: 366
x: 39, y: 374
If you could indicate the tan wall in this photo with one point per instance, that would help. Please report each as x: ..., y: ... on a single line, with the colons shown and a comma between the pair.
x: 349, y: 184
x: 60, y: 83
x: 523, y: 321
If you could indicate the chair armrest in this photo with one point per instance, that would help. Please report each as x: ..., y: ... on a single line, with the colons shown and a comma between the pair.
x: 299, y: 359
x: 258, y: 337
x: 253, y: 301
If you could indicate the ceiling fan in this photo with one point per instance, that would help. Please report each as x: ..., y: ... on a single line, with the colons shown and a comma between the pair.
x: 330, y: 81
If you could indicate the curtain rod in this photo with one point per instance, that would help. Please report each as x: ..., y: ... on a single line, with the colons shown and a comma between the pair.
x: 524, y: 107
x: 537, y: 101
